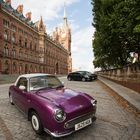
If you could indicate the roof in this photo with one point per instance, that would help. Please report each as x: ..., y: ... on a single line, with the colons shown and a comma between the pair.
x: 33, y: 75
x: 18, y: 15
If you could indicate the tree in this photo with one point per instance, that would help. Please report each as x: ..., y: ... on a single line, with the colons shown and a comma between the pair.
x: 117, y: 24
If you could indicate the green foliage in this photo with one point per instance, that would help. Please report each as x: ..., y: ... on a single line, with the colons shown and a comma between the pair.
x: 117, y: 24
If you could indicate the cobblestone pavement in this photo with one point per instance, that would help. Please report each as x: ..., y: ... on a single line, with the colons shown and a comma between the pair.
x: 113, y: 121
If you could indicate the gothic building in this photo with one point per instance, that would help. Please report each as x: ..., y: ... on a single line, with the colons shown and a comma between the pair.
x: 26, y: 47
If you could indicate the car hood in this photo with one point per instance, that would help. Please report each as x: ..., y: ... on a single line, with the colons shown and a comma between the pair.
x: 67, y: 99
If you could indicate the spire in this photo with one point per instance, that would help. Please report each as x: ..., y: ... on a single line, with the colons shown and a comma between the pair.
x: 41, y: 22
x: 41, y: 26
x: 65, y: 17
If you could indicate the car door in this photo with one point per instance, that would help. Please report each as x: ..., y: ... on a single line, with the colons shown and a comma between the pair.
x: 22, y: 96
x: 74, y: 76
x: 79, y: 76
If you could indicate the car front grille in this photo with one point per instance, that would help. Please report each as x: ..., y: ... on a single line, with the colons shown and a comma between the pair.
x: 71, y: 123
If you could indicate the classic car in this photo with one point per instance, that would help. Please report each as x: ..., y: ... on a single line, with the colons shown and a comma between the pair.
x: 50, y: 106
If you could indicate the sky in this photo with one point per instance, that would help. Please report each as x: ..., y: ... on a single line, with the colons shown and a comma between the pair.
x: 79, y: 14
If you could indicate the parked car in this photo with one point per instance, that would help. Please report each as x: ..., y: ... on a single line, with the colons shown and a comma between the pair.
x: 81, y: 76
x: 93, y: 75
x: 50, y: 106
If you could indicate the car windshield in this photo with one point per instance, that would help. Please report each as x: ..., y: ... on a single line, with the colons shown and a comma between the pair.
x: 41, y: 82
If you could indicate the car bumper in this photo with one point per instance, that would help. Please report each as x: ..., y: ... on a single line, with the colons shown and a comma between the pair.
x: 62, y: 134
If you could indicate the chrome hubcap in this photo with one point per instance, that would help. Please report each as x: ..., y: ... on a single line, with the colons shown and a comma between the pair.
x: 35, y: 122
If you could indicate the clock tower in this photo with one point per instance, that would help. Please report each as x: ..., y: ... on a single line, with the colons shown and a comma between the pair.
x: 63, y: 36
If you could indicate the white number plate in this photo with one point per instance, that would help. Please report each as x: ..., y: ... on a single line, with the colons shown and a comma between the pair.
x: 83, y: 124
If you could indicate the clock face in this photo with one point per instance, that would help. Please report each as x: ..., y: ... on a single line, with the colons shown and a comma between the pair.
x: 63, y: 35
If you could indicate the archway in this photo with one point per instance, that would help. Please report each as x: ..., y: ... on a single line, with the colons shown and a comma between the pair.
x: 7, y: 67
x: 56, y: 68
x: 26, y: 68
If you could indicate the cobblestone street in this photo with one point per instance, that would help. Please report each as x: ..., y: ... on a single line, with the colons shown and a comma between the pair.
x: 113, y: 121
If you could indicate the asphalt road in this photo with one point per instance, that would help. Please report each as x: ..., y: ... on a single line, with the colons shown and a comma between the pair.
x: 113, y: 121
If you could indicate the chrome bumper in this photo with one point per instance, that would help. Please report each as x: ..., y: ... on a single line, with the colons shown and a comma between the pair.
x: 63, y: 134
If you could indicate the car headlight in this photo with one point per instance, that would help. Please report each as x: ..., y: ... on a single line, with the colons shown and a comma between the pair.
x: 93, y: 102
x: 59, y: 115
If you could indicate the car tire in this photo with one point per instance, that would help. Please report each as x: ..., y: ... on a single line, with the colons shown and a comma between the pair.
x: 83, y: 79
x: 36, y: 123
x: 69, y: 78
x: 11, y: 99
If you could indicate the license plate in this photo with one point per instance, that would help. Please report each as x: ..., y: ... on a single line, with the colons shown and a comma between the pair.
x: 83, y: 124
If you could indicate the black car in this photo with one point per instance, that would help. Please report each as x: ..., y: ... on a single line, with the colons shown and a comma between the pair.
x: 94, y: 76
x: 81, y: 76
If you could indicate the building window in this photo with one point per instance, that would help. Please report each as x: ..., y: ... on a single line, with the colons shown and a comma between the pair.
x: 31, y: 45
x: 20, y: 68
x: 6, y: 23
x: 20, y: 53
x: 14, y: 67
x: 20, y: 42
x: 13, y: 38
x: 6, y: 35
x: 35, y: 48
x: 25, y: 43
x: 6, y: 71
x: 14, y: 53
x: 14, y: 28
x: 6, y: 50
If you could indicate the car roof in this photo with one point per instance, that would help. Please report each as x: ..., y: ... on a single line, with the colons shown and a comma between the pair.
x: 33, y: 75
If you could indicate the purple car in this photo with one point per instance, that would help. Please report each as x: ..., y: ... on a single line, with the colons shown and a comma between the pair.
x: 50, y: 106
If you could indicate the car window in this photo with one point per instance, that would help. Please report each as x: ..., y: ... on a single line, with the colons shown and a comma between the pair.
x: 44, y: 81
x: 22, y: 82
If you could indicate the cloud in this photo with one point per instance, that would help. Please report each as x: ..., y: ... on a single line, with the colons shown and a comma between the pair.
x: 49, y: 9
x: 82, y: 53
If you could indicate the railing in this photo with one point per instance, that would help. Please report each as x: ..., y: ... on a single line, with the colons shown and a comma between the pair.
x: 128, y: 75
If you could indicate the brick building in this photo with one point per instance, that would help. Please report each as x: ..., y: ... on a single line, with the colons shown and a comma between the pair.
x: 25, y: 47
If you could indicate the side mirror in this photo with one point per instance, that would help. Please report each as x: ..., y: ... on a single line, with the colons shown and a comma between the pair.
x: 22, y: 87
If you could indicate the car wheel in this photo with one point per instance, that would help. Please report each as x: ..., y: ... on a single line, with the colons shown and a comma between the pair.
x: 36, y: 123
x: 83, y: 79
x: 11, y: 99
x: 69, y: 78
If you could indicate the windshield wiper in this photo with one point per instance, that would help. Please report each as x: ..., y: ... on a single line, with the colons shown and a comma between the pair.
x: 43, y: 89
x: 60, y: 86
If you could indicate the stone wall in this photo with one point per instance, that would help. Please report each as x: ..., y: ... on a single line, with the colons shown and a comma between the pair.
x: 128, y: 76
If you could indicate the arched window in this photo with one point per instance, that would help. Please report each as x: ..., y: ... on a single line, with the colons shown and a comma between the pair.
x: 14, y: 67
x: 20, y: 68
x: 6, y: 70
x: 6, y: 50
x: 31, y: 68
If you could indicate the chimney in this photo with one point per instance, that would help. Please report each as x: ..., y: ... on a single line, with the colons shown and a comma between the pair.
x: 20, y: 9
x: 28, y: 15
x: 8, y: 2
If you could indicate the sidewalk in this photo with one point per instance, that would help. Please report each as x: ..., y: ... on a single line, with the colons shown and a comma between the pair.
x: 130, y: 96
